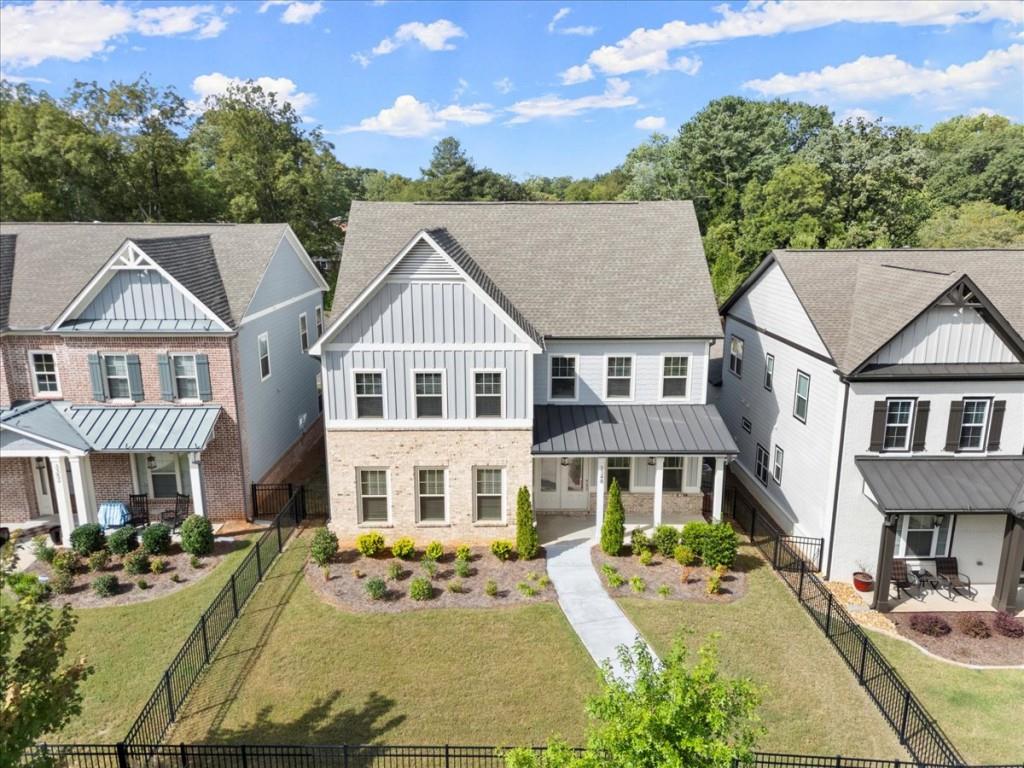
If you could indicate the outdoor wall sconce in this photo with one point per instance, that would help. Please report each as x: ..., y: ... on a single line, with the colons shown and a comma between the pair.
x: 565, y: 461
x: 150, y: 462
x: 651, y: 461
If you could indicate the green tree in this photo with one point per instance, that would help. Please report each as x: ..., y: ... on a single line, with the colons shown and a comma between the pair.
x: 978, y: 224
x: 526, y: 530
x: 39, y: 692
x: 613, y: 528
x: 451, y: 174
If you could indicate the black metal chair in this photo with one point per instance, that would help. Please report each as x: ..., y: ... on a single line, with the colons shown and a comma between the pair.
x: 175, y: 517
x: 138, y: 508
x: 900, y: 578
x: 948, y: 571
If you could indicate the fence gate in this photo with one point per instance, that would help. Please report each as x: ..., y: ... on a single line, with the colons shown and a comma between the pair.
x: 269, y: 498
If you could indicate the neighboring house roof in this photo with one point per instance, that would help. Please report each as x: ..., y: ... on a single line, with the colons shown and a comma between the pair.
x: 628, y: 430
x: 572, y: 270
x: 7, y: 247
x: 220, y: 263
x: 859, y: 299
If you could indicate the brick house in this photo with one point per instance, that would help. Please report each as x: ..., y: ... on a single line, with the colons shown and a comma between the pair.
x: 151, y: 359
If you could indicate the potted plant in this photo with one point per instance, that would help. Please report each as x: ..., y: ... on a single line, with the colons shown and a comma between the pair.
x: 862, y: 580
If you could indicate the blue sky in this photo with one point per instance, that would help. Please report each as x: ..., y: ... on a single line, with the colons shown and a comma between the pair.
x: 533, y: 88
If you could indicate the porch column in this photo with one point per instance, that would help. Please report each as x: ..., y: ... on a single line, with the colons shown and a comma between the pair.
x: 1008, y: 575
x: 195, y: 478
x: 62, y: 495
x: 719, y: 489
x: 883, y: 573
x: 602, y: 471
x: 659, y: 474
x: 86, y: 511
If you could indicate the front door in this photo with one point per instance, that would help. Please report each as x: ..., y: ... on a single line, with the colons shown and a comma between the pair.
x: 44, y: 486
x: 561, y: 484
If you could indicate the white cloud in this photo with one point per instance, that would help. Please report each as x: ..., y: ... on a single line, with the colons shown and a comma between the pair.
x: 295, y: 11
x: 215, y: 84
x: 504, y: 86
x: 650, y: 123
x: 857, y: 113
x: 411, y: 118
x: 648, y: 50
x: 434, y: 36
x: 975, y: 111
x: 31, y: 34
x: 577, y: 74
x: 361, y: 59
x: 460, y: 88
x: 22, y: 79
x: 872, y: 78
x: 560, y: 14
x: 616, y: 95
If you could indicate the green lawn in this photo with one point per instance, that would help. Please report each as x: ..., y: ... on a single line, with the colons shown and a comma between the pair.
x: 129, y: 646
x: 812, y: 704
x: 982, y: 711
x: 296, y: 669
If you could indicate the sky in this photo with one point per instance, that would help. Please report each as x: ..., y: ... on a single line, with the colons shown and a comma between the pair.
x: 533, y: 88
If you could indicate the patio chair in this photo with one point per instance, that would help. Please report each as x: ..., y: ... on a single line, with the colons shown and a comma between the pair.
x: 948, y: 571
x: 175, y: 517
x: 900, y: 578
x: 138, y: 508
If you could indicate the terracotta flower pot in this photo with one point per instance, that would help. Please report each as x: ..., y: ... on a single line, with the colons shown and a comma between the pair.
x: 863, y: 582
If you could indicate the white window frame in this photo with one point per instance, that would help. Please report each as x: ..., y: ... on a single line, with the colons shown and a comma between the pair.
x: 35, y: 381
x: 686, y: 379
x: 413, y: 403
x: 983, y: 440
x: 303, y: 332
x: 107, y: 377
x: 632, y: 376
x: 769, y: 371
x: 796, y: 397
x: 473, y: 394
x: 177, y: 477
x: 905, y: 529
x: 762, y: 465
x: 608, y: 476
x: 383, y: 396
x: 576, y: 380
x: 746, y: 425
x: 476, y: 496
x: 736, y: 370
x: 318, y: 320
x: 909, y: 425
x: 359, y: 496
x: 263, y: 338
x: 681, y: 469
x: 778, y: 459
x: 171, y: 357
x: 444, y: 495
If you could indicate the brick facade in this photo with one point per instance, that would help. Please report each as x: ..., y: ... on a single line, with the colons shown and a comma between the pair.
x: 18, y: 499
x: 401, y: 452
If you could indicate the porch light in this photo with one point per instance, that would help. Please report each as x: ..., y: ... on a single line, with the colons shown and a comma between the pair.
x: 565, y: 461
x: 151, y: 462
x: 937, y: 521
x: 651, y: 461
x: 40, y: 462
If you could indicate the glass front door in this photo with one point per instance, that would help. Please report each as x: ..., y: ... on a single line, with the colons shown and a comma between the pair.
x: 560, y: 484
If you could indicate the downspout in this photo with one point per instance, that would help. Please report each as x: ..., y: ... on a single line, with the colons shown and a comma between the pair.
x: 839, y: 473
x: 242, y: 421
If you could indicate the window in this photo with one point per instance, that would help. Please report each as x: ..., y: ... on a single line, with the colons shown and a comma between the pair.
x: 303, y: 333
x: 263, y: 348
x: 369, y: 394
x: 923, y: 535
x: 549, y: 475
x: 972, y: 425
x: 672, y: 474
x: 619, y: 468
x: 619, y: 382
x: 373, y: 495
x: 736, y: 356
x: 44, y: 373
x: 430, y: 501
x: 674, y: 371
x: 487, y: 393
x: 186, y: 381
x: 488, y: 493
x: 318, y: 319
x: 115, y: 373
x: 769, y: 370
x: 563, y: 378
x: 803, y: 394
x: 163, y: 476
x: 898, y: 415
x: 745, y: 423
x: 777, y: 467
x: 429, y: 395
x: 761, y: 464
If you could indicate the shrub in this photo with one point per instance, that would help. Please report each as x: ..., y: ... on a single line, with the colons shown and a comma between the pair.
x: 122, y: 541
x: 195, y: 562
x: 376, y: 589
x: 421, y: 589
x: 714, y: 584
x: 462, y: 568
x: 429, y: 567
x: 613, y: 529
x: 62, y: 582
x: 176, y: 578
x: 88, y: 538
x: 646, y: 557
x: 1008, y: 626
x: 137, y: 562
x: 544, y: 581
x: 664, y: 590
x: 684, y: 555
x: 693, y: 535
x: 665, y: 539
x: 156, y: 539
x: 637, y: 584
x: 142, y: 583
x: 197, y: 535
x: 930, y: 624
x: 323, y: 547
x: 357, y: 573
x: 394, y: 571
x: 455, y: 586
x: 99, y: 560
x: 719, y: 546
x: 369, y: 544
x: 974, y: 626
x: 65, y: 561
x: 526, y: 531
x: 28, y: 586
x: 463, y: 552
x: 721, y: 570
x: 501, y: 549
x: 526, y: 589
x: 158, y: 565
x: 42, y: 550
x: 616, y: 580
x: 434, y: 551
x: 638, y: 542
x: 609, y: 570
x: 105, y: 585
x: 491, y: 588
x: 403, y: 548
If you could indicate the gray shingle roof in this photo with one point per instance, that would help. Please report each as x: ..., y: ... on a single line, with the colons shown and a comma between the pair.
x: 54, y: 262
x: 7, y: 247
x: 191, y: 261
x: 572, y: 269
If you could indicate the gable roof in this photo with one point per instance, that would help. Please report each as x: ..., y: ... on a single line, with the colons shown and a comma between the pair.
x: 599, y: 270
x: 860, y: 299
x: 221, y: 264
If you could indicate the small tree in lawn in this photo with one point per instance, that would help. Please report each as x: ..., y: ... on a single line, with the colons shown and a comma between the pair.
x: 526, y: 532
x: 322, y: 549
x: 613, y: 530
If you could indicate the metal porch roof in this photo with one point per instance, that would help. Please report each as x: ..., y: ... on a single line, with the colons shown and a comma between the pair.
x: 145, y: 428
x: 43, y: 420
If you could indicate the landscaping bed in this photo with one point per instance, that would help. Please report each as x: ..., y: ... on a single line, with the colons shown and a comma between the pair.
x: 663, y: 579
x: 965, y: 640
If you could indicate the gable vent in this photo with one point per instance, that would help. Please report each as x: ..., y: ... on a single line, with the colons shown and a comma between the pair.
x: 422, y: 262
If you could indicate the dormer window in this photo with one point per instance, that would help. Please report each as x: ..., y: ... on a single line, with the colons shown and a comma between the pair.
x: 563, y: 377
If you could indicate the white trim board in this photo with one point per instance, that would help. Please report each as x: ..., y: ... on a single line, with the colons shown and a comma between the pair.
x: 304, y: 259
x: 280, y: 305
x: 435, y: 425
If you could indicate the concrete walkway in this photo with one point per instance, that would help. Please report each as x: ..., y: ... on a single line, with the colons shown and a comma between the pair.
x: 595, y: 617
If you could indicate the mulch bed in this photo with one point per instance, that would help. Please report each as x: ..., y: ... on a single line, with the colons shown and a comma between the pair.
x: 997, y: 650
x: 128, y: 591
x: 667, y: 572
x: 350, y: 572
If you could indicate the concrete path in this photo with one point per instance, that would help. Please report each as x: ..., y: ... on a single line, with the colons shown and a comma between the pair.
x: 595, y: 617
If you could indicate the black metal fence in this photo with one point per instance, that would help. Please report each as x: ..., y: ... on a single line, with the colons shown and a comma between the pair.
x: 768, y: 536
x: 269, y: 498
x: 179, y: 677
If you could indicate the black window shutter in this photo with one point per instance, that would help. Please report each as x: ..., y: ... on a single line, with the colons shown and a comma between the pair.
x: 135, y: 377
x: 163, y: 364
x: 956, y: 417
x: 96, y: 377
x: 920, y: 425
x: 877, y: 426
x: 995, y: 431
x: 203, y: 376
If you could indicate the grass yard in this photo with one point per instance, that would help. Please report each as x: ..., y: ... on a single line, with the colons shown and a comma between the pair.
x: 812, y: 704
x: 129, y: 646
x: 980, y: 710
x: 296, y: 669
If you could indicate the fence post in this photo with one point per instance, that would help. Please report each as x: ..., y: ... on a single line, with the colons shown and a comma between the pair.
x: 255, y: 504
x: 906, y: 714
x: 234, y: 595
x: 279, y: 547
x: 803, y: 570
x: 170, y: 693
x: 183, y: 753
x: 245, y: 761
x: 344, y: 755
x: 839, y: 761
x: 753, y: 522
x: 775, y: 553
x: 206, y: 642
x: 863, y: 657
x: 828, y: 616
x: 447, y: 758
x: 259, y: 565
x: 122, y: 755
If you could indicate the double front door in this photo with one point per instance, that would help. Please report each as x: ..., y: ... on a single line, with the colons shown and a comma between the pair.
x: 561, y: 484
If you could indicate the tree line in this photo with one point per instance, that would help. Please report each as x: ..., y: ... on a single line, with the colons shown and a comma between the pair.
x: 762, y: 174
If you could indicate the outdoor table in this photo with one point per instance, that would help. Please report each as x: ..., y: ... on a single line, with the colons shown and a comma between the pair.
x: 925, y: 577
x: 113, y: 514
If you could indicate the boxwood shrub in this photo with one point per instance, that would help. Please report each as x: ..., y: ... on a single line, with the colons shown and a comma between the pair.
x: 434, y: 551
x: 136, y: 563
x: 376, y: 589
x: 715, y: 543
x: 197, y: 535
x: 323, y: 547
x: 665, y: 539
x: 501, y: 549
x: 88, y: 538
x: 403, y: 548
x: 122, y: 541
x: 369, y: 544
x: 156, y: 539
x: 421, y: 589
x: 105, y: 585
x: 65, y: 561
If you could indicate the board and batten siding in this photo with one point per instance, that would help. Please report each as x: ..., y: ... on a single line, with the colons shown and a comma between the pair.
x: 136, y: 294
x: 398, y: 366
x: 944, y: 334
